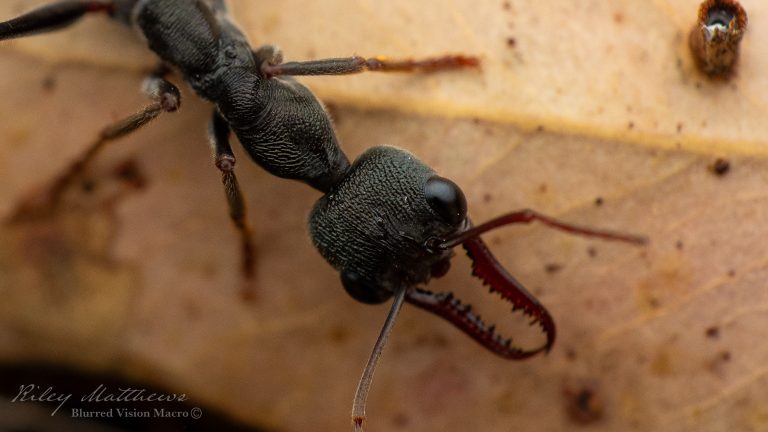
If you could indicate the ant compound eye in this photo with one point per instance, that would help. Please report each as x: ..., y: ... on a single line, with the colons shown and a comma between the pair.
x: 446, y: 199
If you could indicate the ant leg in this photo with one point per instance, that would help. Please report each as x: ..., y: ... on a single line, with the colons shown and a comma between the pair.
x: 167, y: 99
x: 270, y: 59
x: 527, y: 216
x: 218, y: 133
x: 52, y: 17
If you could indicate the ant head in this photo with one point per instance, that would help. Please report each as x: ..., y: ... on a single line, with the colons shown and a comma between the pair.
x: 392, y: 222
x: 374, y: 224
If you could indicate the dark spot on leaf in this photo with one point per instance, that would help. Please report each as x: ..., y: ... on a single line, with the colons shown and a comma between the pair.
x: 130, y: 174
x: 553, y: 268
x: 570, y: 354
x: 583, y: 405
x: 49, y: 83
x: 338, y: 335
x: 717, y: 364
x: 88, y: 186
x: 400, y: 420
x: 720, y: 167
x: 436, y: 340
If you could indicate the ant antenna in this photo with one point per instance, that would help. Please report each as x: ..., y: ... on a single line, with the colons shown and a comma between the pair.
x: 528, y: 216
x: 361, y: 394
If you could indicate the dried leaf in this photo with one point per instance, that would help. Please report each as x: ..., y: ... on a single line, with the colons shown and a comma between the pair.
x: 592, y: 114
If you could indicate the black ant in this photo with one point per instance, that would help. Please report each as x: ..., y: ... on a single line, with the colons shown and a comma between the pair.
x: 387, y: 222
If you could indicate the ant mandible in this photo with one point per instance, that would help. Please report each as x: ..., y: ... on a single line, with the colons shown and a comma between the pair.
x: 387, y: 222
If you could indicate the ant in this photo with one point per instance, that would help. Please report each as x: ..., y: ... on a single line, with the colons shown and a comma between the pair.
x: 387, y: 222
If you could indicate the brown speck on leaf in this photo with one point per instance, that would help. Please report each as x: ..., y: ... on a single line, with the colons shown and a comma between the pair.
x: 511, y: 42
x: 487, y: 197
x: 618, y: 17
x: 506, y: 5
x: 679, y: 127
x: 631, y: 125
x: 731, y: 273
x: 570, y: 354
x: 717, y: 364
x: 720, y: 166
x: 712, y: 332
x: 592, y: 252
x: 553, y: 268
x: 339, y: 335
x: 543, y: 188
x: 679, y: 245
x: 583, y: 404
x: 400, y: 420
x: 436, y: 340
x: 49, y: 83
x: 88, y: 186
x: 599, y: 201
x: 129, y: 173
x: 192, y: 311
x: 661, y: 365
